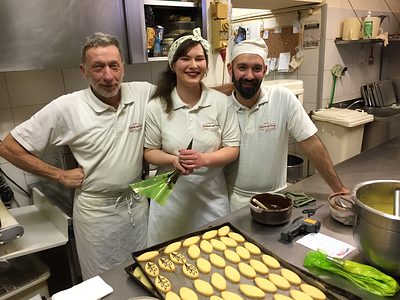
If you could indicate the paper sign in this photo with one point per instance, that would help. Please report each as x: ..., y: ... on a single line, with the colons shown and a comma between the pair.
x: 283, y: 62
x: 329, y: 245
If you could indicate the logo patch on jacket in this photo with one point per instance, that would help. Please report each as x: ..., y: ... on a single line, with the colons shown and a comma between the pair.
x: 210, y: 126
x: 135, y: 127
x: 267, y: 127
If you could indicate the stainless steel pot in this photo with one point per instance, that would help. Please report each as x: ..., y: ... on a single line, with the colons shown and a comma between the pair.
x: 376, y: 229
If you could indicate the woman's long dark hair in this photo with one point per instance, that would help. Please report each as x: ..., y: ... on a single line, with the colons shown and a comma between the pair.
x: 167, y: 80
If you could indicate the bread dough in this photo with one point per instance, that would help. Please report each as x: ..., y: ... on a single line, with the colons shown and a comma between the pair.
x: 166, y: 264
x: 270, y: 261
x: 191, y: 241
x: 251, y: 291
x: 137, y: 272
x: 209, y: 234
x: 203, y: 265
x: 177, y: 258
x: 299, y: 295
x: 163, y: 284
x: 312, y: 291
x: 281, y: 297
x: 147, y: 256
x: 146, y: 282
x: 259, y: 266
x: 232, y: 274
x: 291, y: 276
x: 172, y: 296
x: 187, y: 294
x: 213, y: 297
x: 224, y: 230
x: 243, y: 252
x: 217, y: 260
x: 236, y: 236
x: 151, y: 269
x: 206, y: 246
x: 218, y: 281
x: 203, y: 287
x: 218, y: 245
x: 226, y: 295
x: 190, y: 271
x: 228, y: 241
x: 265, y: 285
x: 253, y: 249
x: 246, y: 270
x: 279, y: 281
x: 194, y: 252
x: 232, y: 256
x: 173, y: 247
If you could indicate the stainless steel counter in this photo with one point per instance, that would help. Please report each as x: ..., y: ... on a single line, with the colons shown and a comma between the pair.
x: 381, y: 162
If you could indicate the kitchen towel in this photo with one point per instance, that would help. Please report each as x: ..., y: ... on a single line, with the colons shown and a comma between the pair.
x: 92, y: 289
x: 299, y: 198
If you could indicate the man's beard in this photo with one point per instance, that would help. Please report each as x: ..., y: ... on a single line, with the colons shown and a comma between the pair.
x: 246, y: 92
x: 106, y: 93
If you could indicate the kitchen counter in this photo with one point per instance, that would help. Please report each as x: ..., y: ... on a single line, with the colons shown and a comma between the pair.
x: 381, y: 162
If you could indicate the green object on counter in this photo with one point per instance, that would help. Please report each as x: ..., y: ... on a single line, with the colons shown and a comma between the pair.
x: 337, y: 72
x: 365, y: 277
x: 299, y: 198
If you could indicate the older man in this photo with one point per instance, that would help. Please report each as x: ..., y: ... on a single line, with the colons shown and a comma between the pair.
x: 267, y: 115
x: 104, y: 127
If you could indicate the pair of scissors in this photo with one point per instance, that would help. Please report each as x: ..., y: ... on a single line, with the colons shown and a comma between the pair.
x: 311, y: 211
x: 173, y: 176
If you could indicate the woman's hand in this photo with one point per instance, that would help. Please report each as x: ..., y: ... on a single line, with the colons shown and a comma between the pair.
x: 191, y: 159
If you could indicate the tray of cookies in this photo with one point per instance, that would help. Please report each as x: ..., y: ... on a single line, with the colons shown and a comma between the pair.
x: 223, y: 263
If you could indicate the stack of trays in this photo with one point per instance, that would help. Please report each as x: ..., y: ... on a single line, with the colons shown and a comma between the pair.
x: 222, y: 263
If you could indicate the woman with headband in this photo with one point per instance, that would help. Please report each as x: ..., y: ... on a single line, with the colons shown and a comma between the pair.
x: 182, y: 109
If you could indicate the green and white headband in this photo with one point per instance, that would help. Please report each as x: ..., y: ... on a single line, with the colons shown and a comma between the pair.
x: 196, y: 36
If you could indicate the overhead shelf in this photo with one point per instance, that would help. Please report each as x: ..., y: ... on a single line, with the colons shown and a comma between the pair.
x: 273, y: 4
x: 339, y: 41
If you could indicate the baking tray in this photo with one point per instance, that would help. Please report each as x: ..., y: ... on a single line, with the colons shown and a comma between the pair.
x: 178, y: 279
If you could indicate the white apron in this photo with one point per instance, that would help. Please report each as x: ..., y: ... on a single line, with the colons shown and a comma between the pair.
x: 182, y: 214
x: 104, y: 233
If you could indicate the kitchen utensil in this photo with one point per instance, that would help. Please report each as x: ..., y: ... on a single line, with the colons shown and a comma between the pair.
x: 341, y: 208
x: 158, y: 187
x: 279, y: 208
x: 300, y: 226
x: 371, y: 57
x: 396, y: 210
x: 311, y: 211
x: 376, y: 230
x: 351, y: 29
x: 337, y: 71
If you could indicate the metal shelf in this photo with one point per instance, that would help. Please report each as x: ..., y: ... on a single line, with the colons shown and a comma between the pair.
x: 339, y: 41
x: 170, y: 3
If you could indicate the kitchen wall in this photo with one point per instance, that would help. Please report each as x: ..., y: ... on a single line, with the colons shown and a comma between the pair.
x: 355, y: 56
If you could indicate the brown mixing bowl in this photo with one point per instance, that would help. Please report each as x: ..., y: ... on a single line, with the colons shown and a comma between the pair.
x: 279, y: 208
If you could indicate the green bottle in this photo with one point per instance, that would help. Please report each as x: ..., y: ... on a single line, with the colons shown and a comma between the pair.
x: 367, y: 26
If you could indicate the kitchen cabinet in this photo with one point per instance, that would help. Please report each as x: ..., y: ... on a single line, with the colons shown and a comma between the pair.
x: 272, y: 4
x: 141, y: 14
x: 40, y: 34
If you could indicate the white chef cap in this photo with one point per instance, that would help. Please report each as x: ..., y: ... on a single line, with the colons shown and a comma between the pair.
x: 254, y: 46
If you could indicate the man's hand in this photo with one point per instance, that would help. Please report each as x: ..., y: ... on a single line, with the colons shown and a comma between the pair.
x: 72, y: 178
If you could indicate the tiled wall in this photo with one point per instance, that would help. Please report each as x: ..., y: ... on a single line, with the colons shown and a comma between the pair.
x: 25, y: 92
x: 354, y: 56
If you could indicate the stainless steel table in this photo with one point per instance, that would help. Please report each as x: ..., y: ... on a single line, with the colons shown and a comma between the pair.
x: 381, y: 162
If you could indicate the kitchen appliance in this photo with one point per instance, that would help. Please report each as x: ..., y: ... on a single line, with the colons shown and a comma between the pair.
x: 10, y: 229
x: 295, y: 85
x: 376, y: 229
x: 271, y: 208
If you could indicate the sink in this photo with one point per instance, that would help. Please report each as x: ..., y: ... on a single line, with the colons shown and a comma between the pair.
x: 380, y: 112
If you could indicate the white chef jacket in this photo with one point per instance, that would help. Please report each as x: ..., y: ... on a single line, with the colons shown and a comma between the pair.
x: 108, y: 144
x: 200, y: 197
x: 265, y: 129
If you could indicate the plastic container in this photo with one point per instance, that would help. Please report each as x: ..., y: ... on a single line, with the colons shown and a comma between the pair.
x: 341, y: 131
x: 367, y: 26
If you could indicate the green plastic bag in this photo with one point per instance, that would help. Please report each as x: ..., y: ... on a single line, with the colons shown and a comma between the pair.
x: 365, y: 277
x: 156, y: 188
